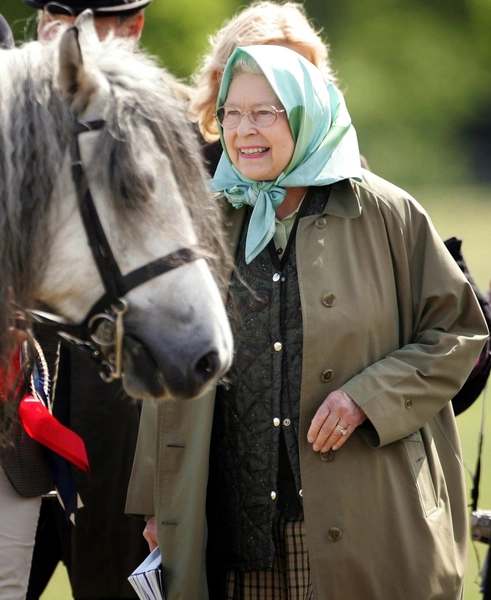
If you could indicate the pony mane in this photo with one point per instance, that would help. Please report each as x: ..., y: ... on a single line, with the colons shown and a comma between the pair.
x: 35, y: 133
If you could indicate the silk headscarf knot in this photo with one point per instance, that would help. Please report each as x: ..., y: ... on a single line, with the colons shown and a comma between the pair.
x: 265, y: 198
x: 326, y: 148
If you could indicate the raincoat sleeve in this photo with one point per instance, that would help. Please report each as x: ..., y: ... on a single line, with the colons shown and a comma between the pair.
x: 442, y: 331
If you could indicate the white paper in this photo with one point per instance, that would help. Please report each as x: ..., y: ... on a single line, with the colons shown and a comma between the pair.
x: 147, y: 578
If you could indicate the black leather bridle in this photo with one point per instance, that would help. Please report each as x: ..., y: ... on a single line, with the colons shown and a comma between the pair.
x: 100, y: 335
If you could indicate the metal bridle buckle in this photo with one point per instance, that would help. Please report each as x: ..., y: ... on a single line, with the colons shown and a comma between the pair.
x: 108, y: 335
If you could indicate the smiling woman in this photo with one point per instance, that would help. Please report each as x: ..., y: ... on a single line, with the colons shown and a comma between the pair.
x: 288, y: 150
x: 259, y: 151
x: 353, y: 328
x: 299, y: 179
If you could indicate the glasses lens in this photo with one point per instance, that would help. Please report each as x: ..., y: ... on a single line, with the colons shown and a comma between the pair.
x: 263, y: 115
x: 228, y: 116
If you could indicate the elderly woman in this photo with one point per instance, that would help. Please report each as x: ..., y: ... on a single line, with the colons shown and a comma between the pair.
x: 335, y: 467
x: 261, y: 22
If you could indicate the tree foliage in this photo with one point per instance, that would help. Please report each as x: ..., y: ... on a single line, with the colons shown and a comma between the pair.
x: 415, y: 74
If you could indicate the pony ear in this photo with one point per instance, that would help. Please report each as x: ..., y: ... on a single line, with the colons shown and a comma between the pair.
x: 6, y: 37
x: 71, y: 62
x: 84, y: 87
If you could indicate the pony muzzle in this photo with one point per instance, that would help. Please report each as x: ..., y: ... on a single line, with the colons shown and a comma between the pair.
x: 144, y: 378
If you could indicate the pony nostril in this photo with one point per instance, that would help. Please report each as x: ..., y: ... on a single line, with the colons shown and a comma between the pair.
x: 208, y: 365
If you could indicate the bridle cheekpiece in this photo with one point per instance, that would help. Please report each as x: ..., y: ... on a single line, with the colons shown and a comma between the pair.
x: 101, y: 333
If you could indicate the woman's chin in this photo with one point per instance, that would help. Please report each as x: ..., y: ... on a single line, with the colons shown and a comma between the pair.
x: 256, y: 171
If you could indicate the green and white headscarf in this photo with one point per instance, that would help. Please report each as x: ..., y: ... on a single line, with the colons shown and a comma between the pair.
x: 326, y: 147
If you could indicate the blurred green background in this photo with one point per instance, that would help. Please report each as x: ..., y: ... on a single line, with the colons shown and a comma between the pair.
x: 416, y: 76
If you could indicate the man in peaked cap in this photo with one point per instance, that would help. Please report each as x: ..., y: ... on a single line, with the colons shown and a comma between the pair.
x: 105, y: 546
x: 124, y: 18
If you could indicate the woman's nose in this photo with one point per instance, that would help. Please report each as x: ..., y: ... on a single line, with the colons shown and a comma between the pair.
x: 245, y: 126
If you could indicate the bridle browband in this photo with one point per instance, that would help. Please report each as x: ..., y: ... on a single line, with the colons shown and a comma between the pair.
x: 100, y: 335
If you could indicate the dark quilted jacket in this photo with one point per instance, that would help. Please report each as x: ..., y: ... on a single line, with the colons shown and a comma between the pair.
x: 260, y: 404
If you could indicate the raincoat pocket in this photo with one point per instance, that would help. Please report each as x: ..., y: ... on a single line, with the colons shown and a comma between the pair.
x: 418, y: 461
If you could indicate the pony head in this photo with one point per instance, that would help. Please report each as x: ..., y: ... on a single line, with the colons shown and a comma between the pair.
x: 144, y: 172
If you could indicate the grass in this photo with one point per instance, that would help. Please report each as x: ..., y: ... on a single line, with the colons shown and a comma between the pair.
x: 464, y: 213
x: 59, y: 586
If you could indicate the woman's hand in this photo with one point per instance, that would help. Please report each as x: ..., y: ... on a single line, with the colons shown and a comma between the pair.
x: 150, y: 533
x: 334, y: 422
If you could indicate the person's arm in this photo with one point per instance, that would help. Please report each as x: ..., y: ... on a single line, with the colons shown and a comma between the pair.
x: 441, y: 329
x: 412, y: 384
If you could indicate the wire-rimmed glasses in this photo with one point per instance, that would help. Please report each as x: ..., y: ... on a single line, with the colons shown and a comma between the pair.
x: 262, y: 115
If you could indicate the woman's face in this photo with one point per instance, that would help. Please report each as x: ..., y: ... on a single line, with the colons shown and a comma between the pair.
x: 259, y: 153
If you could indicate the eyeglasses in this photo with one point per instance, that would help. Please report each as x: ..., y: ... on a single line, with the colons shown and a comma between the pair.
x: 262, y: 115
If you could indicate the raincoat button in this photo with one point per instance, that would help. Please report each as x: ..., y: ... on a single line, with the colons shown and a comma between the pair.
x: 273, y: 495
x: 320, y: 223
x: 276, y: 422
x: 300, y: 493
x: 408, y: 403
x: 276, y: 277
x: 287, y: 422
x: 334, y: 534
x: 329, y: 300
x: 278, y: 346
x: 327, y: 375
x: 327, y: 456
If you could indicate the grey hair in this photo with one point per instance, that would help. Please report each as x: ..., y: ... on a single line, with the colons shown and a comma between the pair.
x: 245, y: 65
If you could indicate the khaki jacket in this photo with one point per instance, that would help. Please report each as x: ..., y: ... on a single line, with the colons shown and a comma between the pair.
x: 389, y: 314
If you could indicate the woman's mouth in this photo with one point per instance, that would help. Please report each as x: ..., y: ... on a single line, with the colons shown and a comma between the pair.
x: 252, y: 152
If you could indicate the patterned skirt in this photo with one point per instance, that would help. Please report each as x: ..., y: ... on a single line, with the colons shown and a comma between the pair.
x: 289, y: 579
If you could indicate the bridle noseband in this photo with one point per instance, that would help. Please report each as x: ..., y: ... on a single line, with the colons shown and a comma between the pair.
x: 101, y: 333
